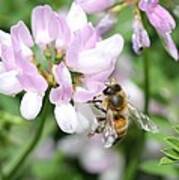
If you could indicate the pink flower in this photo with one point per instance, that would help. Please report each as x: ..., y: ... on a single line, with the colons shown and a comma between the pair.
x: 64, y: 54
x: 93, y: 6
x: 93, y: 157
x: 8, y: 70
x: 140, y: 38
x: 85, y: 57
x: 106, y: 24
x: 162, y: 21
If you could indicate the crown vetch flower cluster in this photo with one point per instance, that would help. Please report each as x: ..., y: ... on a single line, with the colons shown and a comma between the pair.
x: 157, y: 15
x: 65, y: 54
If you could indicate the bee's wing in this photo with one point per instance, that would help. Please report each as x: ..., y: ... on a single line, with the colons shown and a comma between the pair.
x: 109, y: 133
x: 141, y: 119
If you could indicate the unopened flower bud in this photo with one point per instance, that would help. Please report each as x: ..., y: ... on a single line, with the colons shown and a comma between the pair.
x: 140, y: 38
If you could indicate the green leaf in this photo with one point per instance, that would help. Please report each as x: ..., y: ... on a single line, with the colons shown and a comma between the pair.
x: 6, y: 117
x: 166, y: 161
x: 153, y: 167
x: 173, y: 142
x: 177, y: 129
x: 171, y: 153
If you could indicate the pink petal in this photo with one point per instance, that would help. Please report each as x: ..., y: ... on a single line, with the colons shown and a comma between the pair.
x: 33, y: 82
x: 63, y: 92
x: 106, y: 24
x: 60, y: 95
x: 170, y: 46
x: 8, y: 59
x: 148, y: 5
x: 97, y: 60
x: 21, y: 39
x: 161, y: 19
x: 43, y: 21
x: 86, y: 38
x: 92, y: 6
x: 62, y: 75
x: 84, y: 94
x: 76, y: 18
x: 63, y: 33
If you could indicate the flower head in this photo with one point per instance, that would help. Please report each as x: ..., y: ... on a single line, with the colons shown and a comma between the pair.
x: 60, y: 55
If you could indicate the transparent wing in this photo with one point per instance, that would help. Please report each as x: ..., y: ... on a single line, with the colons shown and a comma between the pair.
x: 142, y: 120
x: 109, y: 133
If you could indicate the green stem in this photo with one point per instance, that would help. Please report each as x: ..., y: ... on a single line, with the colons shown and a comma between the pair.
x: 146, y: 84
x: 16, y: 164
x: 135, y: 154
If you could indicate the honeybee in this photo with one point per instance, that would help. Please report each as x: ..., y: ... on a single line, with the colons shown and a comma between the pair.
x: 117, y: 114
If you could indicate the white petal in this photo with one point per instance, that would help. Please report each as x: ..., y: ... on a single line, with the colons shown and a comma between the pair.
x: 66, y: 117
x: 86, y: 119
x: 2, y: 68
x: 9, y: 84
x: 31, y: 105
x: 76, y: 18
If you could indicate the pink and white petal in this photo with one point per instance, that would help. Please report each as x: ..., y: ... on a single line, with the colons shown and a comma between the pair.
x: 84, y: 94
x: 166, y: 16
x: 93, y: 6
x: 9, y: 83
x: 146, y: 5
x: 76, y: 17
x: 23, y: 65
x: 66, y: 117
x: 106, y: 24
x: 63, y: 34
x: 100, y: 77
x: 62, y: 75
x: 170, y: 46
x: 21, y: 39
x: 31, y: 105
x: 85, y: 38
x: 42, y: 16
x: 7, y: 56
x: 5, y: 39
x: 97, y: 60
x: 60, y: 95
x: 161, y: 19
x: 33, y: 82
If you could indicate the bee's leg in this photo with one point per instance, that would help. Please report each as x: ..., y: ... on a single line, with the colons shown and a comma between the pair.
x: 100, y: 108
x: 100, y: 127
x: 97, y: 106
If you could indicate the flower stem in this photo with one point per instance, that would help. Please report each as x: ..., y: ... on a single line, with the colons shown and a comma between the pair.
x: 135, y: 154
x: 146, y: 83
x: 16, y: 164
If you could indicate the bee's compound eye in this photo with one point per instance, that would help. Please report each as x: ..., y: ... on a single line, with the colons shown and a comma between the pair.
x: 117, y: 87
x: 116, y: 100
x: 108, y: 91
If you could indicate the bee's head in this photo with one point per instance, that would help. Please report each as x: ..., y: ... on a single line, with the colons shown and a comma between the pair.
x: 115, y: 95
x: 112, y: 89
